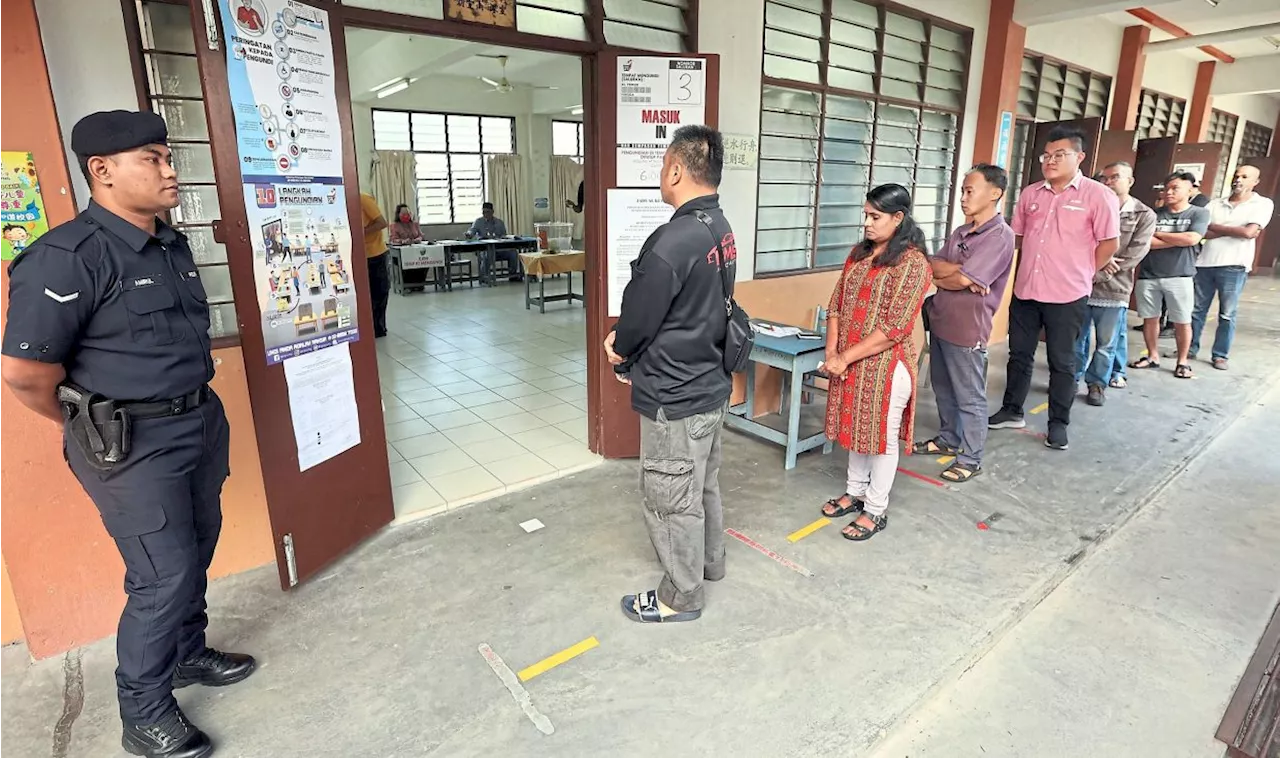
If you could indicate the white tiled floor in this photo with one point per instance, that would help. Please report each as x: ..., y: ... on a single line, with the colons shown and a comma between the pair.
x: 481, y: 396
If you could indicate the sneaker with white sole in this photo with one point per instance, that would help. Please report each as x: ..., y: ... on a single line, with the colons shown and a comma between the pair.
x: 1006, y: 419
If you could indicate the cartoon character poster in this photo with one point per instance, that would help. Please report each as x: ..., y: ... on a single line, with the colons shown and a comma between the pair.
x: 21, y: 206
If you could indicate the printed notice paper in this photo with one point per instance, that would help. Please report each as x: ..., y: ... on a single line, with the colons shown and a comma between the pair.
x: 656, y: 96
x: 322, y: 402
x: 633, y: 214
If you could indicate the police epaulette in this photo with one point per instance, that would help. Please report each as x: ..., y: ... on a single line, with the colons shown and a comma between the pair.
x: 70, y: 235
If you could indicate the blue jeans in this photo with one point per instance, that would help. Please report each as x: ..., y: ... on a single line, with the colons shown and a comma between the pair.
x: 1121, y: 361
x: 1100, y: 323
x: 1226, y: 282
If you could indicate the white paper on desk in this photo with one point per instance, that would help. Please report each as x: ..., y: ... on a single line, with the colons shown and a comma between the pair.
x: 633, y: 214
x: 322, y: 403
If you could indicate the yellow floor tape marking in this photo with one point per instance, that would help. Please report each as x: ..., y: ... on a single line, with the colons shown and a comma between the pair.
x: 1041, y: 408
x: 568, y: 654
x: 946, y: 460
x: 800, y: 534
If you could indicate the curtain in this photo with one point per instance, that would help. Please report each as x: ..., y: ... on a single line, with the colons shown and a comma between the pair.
x: 509, y: 192
x: 395, y: 181
x: 566, y: 173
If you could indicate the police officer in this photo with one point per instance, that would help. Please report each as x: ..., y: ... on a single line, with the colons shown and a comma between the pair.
x: 108, y: 335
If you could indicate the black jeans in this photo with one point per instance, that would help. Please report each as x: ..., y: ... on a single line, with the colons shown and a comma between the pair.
x: 380, y: 291
x: 1062, y: 323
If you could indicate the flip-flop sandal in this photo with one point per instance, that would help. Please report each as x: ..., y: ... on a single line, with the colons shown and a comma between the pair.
x: 863, y: 533
x: 960, y: 472
x: 1118, y: 383
x: 1183, y: 371
x: 647, y: 612
x: 1145, y: 362
x: 855, y: 506
x: 932, y: 447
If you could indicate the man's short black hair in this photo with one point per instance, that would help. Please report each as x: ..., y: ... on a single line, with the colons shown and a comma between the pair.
x: 993, y: 174
x: 1185, y: 176
x: 487, y: 207
x: 1059, y: 133
x: 701, y: 150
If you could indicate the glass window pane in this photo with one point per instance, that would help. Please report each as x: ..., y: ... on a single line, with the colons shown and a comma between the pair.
x: 194, y: 163
x: 185, y: 118
x: 799, y: 101
x: 788, y: 123
x: 785, y: 194
x: 564, y: 138
x: 899, y: 69
x: 911, y: 28
x: 167, y: 27
x: 429, y: 133
x: 781, y: 17
x: 177, y: 75
x: 203, y: 248
x: 907, y: 50
x: 390, y: 130
x: 222, y: 320
x: 768, y: 240
x: 858, y: 13
x: 551, y: 23
x: 196, y: 204
x: 786, y: 68
x: 788, y: 171
x: 854, y: 80
x: 644, y: 12
x: 217, y: 283
x: 498, y: 135
x: 899, y: 89
x: 791, y: 45
x: 847, y: 130
x: 857, y: 60
x: 643, y: 38
x: 790, y: 260
x: 854, y: 36
x: 788, y: 147
x: 785, y: 218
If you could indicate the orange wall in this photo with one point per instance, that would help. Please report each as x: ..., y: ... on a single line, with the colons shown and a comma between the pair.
x: 10, y: 622
x: 63, y: 570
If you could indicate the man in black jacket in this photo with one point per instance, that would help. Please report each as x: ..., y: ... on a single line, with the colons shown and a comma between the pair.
x: 669, y: 346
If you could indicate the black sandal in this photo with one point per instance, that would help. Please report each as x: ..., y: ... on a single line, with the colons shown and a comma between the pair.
x: 863, y: 533
x: 1145, y: 362
x: 855, y: 506
x: 960, y: 472
x: 646, y: 610
x: 1183, y: 371
x: 933, y: 447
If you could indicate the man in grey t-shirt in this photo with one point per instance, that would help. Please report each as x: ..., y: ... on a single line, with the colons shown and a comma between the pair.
x: 1167, y: 277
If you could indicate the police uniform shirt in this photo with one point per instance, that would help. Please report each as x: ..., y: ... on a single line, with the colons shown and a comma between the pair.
x: 122, y: 310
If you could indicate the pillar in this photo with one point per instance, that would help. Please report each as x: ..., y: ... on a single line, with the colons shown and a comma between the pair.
x: 1128, y: 82
x: 1201, y: 105
x: 1001, y: 71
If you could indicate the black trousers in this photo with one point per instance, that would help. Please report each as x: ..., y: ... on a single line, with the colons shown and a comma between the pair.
x: 1061, y: 323
x: 380, y: 290
x: 163, y: 508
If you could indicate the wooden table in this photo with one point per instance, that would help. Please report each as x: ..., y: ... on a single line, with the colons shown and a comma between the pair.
x: 543, y: 265
x: 796, y: 357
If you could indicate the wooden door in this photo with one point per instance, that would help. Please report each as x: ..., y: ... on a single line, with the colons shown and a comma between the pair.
x: 614, y: 429
x: 1092, y: 128
x: 1205, y: 155
x: 1114, y: 146
x: 1151, y: 167
x: 1268, y: 246
x: 319, y: 514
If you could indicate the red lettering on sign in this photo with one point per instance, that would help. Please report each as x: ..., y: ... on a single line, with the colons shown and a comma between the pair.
x: 648, y: 116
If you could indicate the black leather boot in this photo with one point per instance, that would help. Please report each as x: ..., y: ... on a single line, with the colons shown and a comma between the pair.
x: 213, y: 668
x: 170, y: 737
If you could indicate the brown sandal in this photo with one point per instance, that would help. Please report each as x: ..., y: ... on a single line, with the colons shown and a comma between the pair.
x: 1183, y: 371
x: 855, y: 506
x: 933, y: 447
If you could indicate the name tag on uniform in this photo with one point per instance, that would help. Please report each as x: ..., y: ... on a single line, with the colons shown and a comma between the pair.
x: 193, y: 275
x: 141, y: 282
x: 1073, y: 208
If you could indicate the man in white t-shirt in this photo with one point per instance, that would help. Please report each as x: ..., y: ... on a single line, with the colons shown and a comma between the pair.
x: 1227, y: 257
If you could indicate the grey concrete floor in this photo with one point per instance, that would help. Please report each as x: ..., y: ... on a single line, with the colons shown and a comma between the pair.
x: 378, y: 656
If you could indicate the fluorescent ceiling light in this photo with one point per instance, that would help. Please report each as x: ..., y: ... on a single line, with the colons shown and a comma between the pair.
x: 398, y: 86
x: 385, y: 84
x: 576, y: 111
x: 1214, y: 3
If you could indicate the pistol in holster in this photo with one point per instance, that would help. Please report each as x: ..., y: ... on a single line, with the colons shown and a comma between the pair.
x: 100, y: 428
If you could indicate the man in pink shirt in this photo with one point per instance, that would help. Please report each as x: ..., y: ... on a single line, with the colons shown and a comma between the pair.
x: 1067, y: 228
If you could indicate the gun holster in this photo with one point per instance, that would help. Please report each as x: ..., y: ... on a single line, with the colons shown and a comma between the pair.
x: 100, y: 429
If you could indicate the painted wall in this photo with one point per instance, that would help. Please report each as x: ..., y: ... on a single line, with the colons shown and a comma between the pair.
x: 1093, y: 44
x: 62, y: 569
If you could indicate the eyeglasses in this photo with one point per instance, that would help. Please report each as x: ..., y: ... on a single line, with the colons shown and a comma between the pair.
x: 1057, y: 156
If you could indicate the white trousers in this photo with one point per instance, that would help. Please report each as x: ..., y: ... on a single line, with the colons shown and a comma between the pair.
x: 870, y: 477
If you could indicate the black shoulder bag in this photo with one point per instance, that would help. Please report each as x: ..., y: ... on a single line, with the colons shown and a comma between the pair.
x: 738, y: 337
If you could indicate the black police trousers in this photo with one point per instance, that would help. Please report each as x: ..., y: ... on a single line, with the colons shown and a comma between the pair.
x: 162, y: 506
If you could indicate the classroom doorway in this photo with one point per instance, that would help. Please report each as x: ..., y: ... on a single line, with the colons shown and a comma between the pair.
x: 484, y: 391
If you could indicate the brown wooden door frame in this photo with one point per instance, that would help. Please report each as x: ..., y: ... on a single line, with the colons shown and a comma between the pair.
x: 1114, y: 146
x: 1151, y: 166
x: 1208, y: 153
x: 613, y: 428
x: 332, y: 507
x: 1092, y: 128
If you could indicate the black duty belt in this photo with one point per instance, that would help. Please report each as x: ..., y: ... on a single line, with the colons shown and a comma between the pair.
x: 101, y: 412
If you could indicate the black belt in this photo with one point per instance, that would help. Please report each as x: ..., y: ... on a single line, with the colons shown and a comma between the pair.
x: 101, y: 412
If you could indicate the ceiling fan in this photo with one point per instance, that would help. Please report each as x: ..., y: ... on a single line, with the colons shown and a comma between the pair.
x: 502, y: 85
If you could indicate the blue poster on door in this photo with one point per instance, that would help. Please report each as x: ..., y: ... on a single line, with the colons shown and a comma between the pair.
x: 280, y: 73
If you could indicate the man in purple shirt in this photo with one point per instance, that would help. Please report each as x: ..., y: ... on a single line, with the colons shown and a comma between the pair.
x: 971, y: 272
x: 1067, y: 227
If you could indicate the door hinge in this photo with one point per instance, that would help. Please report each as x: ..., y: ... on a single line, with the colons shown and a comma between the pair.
x: 211, y: 24
x: 291, y: 560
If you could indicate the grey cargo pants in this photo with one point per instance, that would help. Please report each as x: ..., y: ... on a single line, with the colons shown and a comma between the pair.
x: 680, y: 478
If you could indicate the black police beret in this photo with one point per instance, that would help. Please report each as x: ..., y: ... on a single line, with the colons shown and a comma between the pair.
x: 111, y: 132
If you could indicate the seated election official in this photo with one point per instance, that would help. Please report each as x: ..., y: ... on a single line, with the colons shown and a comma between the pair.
x: 108, y: 336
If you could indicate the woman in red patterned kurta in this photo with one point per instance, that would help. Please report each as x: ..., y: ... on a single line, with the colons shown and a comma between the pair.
x: 871, y: 357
